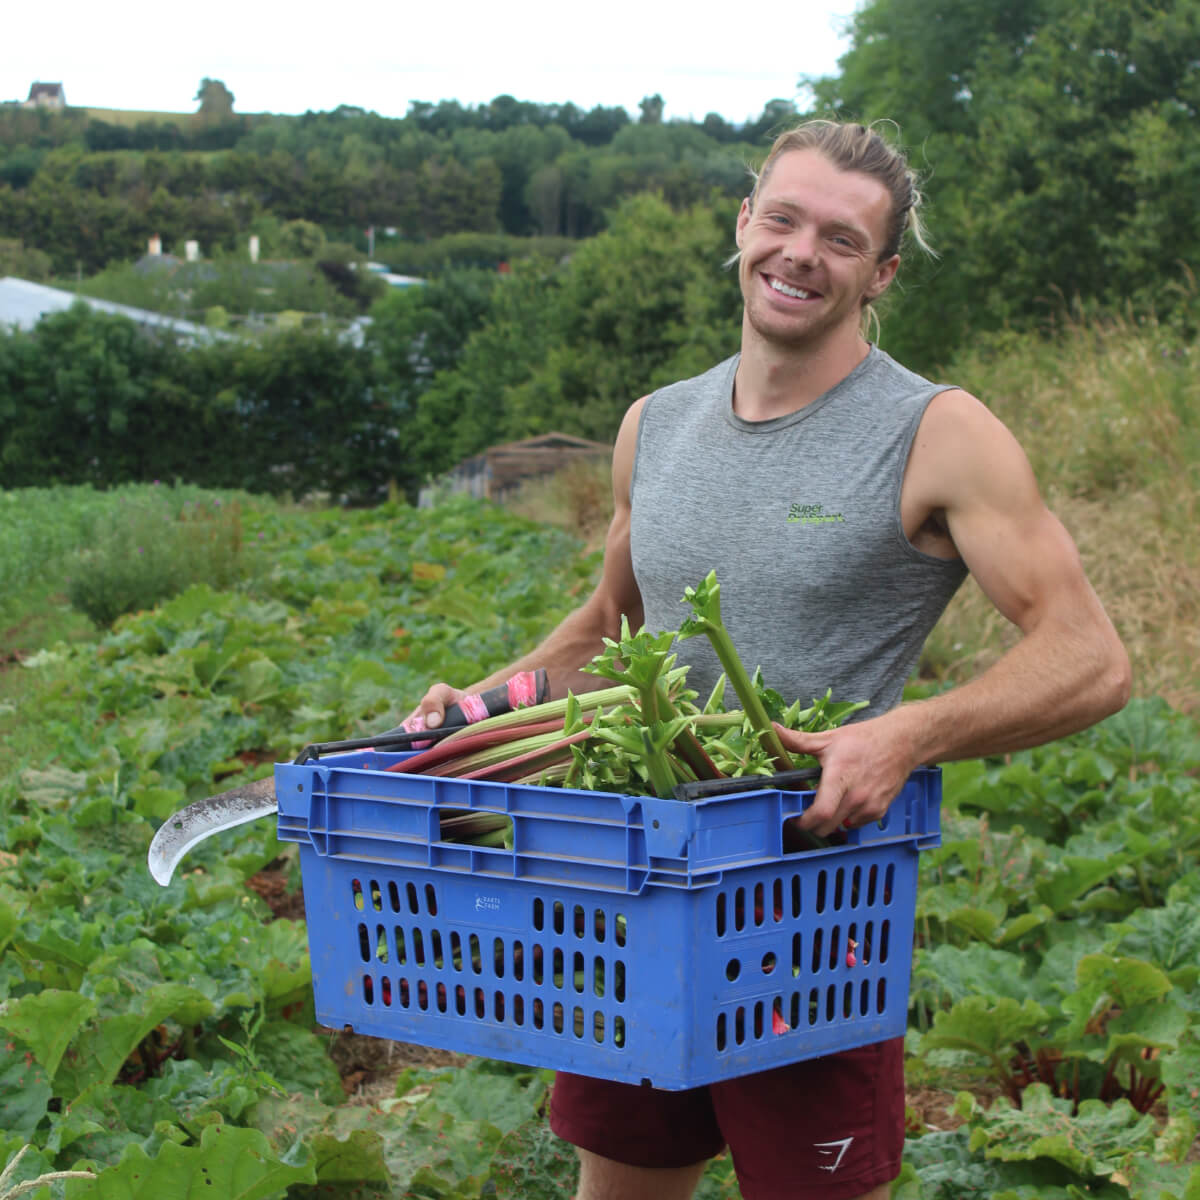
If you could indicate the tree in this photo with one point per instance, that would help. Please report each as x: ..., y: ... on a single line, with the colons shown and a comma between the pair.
x: 216, y: 100
x: 652, y: 109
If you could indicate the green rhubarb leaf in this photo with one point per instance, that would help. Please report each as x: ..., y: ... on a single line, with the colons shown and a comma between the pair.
x: 46, y: 1022
x: 1151, y: 1180
x: 24, y: 1089
x: 987, y: 1027
x: 532, y: 1163
x: 1073, y: 875
x: 8, y: 926
x: 1167, y: 936
x: 1099, y: 1140
x: 232, y: 1163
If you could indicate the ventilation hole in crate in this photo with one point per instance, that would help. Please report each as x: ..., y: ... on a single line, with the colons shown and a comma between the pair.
x: 622, y: 928
x: 579, y: 921
x: 598, y: 976
x: 364, y: 943
x: 393, y: 896
x: 368, y: 989
x: 405, y: 997
x: 884, y: 929
x: 814, y: 1005
x: 853, y: 947
x: 769, y: 962
x: 839, y: 889
x: 830, y: 1002
x: 758, y: 1020
x: 498, y: 957
x: 401, y: 946
x: 864, y: 998
x: 439, y: 997
x: 794, y: 1015
x: 598, y: 929
x: 422, y: 995
x: 456, y: 954
x: 855, y: 887
x: 598, y: 1028
x: 480, y: 1003
x: 556, y: 968
x: 818, y: 945
x: 556, y: 1017
x: 539, y: 974
x: 559, y: 917
x: 435, y: 945
x: 619, y: 1032
x: 381, y: 946
x: 847, y: 1001
x: 430, y: 900
x: 821, y: 883
x: 539, y: 913
x: 872, y: 886
x: 518, y: 961
x: 418, y: 948
x: 720, y: 1031
x: 519, y: 1009
x: 356, y: 888
x: 796, y: 905
x: 619, y: 981
x: 385, y: 991
x: 733, y: 968
x: 760, y: 904
x: 835, y: 941
x: 539, y: 1014
x: 578, y: 1027
x: 476, y: 955
x: 410, y: 891
x: 739, y: 1026
x: 376, y: 896
x: 881, y: 996
x: 721, y: 919
x: 739, y: 909
x: 460, y: 1000
x: 797, y: 954
x: 578, y: 972
x: 889, y: 880
x: 777, y: 901
x: 498, y: 1005
x: 866, y: 952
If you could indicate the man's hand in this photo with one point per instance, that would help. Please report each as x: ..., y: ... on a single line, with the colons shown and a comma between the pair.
x: 432, y: 709
x: 864, y: 767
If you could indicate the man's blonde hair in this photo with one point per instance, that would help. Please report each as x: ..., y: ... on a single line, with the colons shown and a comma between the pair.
x: 860, y: 148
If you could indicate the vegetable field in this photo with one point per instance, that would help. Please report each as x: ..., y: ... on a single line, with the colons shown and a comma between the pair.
x: 154, y: 1041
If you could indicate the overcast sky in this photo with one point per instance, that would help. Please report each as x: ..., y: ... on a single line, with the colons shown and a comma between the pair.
x: 381, y: 56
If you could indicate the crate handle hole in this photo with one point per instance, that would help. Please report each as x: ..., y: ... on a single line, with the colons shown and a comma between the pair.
x: 768, y: 962
x: 733, y: 969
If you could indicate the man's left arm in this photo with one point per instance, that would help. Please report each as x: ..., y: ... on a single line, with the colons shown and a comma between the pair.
x: 1067, y: 671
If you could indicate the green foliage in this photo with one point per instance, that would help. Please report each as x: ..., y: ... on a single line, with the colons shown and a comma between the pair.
x: 157, y: 544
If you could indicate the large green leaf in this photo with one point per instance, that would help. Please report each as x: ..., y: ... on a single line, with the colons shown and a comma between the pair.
x: 46, y: 1022
x: 232, y: 1163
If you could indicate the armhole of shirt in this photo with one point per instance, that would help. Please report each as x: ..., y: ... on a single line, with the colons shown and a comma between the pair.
x: 910, y: 436
x: 637, y: 445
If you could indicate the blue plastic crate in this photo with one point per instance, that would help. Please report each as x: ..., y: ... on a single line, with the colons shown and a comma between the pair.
x: 624, y: 937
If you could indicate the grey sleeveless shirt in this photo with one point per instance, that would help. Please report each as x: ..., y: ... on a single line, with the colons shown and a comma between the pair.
x: 800, y: 518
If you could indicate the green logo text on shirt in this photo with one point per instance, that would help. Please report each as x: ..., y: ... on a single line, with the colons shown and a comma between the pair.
x: 812, y: 514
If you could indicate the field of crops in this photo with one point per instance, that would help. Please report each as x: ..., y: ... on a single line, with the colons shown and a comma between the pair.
x: 152, y: 1038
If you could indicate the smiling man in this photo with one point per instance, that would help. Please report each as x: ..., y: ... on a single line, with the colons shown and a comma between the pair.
x: 841, y: 499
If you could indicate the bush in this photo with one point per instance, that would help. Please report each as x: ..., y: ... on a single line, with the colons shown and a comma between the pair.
x: 158, y: 544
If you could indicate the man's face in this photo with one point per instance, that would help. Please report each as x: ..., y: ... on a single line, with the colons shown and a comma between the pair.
x: 810, y: 249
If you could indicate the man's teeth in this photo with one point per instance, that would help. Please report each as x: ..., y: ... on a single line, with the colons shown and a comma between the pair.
x: 796, y: 293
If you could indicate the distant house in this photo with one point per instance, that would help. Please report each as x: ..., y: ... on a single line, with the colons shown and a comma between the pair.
x: 23, y: 304
x: 46, y: 95
x: 498, y: 472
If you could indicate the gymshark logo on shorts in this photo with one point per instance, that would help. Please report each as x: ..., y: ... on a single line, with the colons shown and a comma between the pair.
x: 832, y: 1148
x: 813, y: 514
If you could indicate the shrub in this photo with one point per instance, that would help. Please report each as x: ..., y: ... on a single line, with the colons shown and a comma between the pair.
x: 158, y: 544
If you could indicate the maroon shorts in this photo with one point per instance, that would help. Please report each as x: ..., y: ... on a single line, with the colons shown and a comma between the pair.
x: 831, y: 1127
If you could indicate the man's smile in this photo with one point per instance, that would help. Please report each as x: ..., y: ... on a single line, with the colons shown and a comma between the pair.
x: 787, y: 289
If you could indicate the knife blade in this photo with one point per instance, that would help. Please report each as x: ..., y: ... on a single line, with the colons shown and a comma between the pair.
x: 203, y: 819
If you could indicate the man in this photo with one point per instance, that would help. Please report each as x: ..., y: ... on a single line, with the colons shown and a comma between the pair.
x: 841, y: 500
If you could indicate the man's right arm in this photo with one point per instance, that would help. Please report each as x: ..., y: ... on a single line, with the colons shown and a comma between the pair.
x: 579, y: 637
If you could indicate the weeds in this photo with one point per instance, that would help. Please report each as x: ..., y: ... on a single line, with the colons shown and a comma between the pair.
x: 157, y: 544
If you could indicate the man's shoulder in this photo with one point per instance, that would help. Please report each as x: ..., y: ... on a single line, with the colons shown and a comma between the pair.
x: 714, y: 382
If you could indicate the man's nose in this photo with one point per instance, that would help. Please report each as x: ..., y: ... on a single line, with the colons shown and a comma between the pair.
x: 802, y: 246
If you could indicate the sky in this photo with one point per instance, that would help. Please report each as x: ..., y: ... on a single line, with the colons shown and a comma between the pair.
x: 382, y: 56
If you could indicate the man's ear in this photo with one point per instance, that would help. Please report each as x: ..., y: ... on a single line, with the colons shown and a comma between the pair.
x: 742, y: 220
x: 884, y: 274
